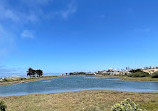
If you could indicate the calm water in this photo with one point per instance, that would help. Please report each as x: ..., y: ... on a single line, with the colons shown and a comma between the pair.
x: 76, y: 83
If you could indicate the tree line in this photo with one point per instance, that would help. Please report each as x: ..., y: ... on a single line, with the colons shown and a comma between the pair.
x: 34, y: 73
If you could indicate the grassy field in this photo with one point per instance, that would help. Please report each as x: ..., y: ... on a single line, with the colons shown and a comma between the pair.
x: 131, y: 78
x: 139, y: 78
x: 78, y: 101
x: 23, y: 79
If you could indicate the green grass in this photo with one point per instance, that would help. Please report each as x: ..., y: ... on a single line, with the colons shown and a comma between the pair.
x: 139, y: 78
x: 79, y: 101
x: 149, y: 78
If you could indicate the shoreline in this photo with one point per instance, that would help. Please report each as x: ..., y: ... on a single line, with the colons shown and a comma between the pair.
x: 121, y: 78
x: 126, y: 78
x: 4, y: 83
x: 88, y: 90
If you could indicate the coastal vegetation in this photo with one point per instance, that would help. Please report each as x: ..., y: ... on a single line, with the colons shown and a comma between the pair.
x: 149, y: 78
x: 138, y: 73
x: 126, y: 105
x: 155, y: 75
x: 80, y: 73
x: 77, y: 73
x: 2, y: 106
x: 32, y: 73
x: 7, y: 81
x: 79, y: 101
x: 127, y: 78
x: 134, y: 75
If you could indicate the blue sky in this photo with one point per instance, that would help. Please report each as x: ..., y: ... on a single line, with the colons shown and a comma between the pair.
x: 77, y: 35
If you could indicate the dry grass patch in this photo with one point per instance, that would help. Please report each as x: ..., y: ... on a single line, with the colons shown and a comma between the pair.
x: 77, y: 101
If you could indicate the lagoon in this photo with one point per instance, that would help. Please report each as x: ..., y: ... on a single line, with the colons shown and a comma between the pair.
x: 76, y: 83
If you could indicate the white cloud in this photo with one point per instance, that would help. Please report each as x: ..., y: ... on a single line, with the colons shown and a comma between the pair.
x: 6, y: 13
x: 31, y: 11
x: 36, y: 2
x: 27, y: 34
x: 5, y: 69
x: 7, y: 42
x: 11, y: 15
x: 5, y: 36
x: 28, y: 12
x: 32, y: 18
x: 71, y: 9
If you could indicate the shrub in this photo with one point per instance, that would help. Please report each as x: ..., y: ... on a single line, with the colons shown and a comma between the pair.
x: 23, y: 78
x: 155, y: 75
x: 105, y: 74
x: 5, y: 79
x: 135, y: 70
x: 139, y: 74
x: 126, y: 105
x: 2, y: 106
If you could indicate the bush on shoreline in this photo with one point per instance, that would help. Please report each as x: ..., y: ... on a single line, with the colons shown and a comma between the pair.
x: 80, y: 73
x: 2, y: 106
x: 155, y: 75
x: 138, y: 73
